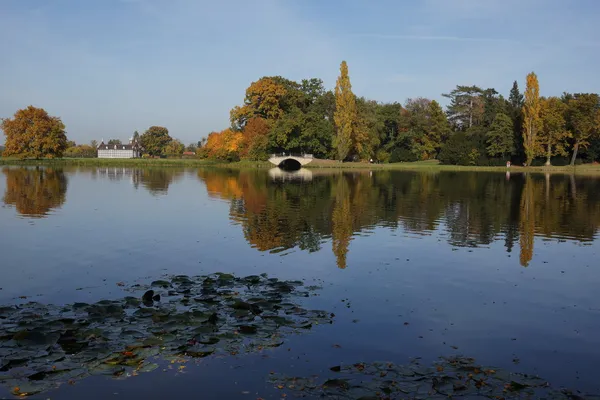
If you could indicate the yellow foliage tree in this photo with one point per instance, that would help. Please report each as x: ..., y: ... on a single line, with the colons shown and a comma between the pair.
x: 224, y: 145
x: 345, y: 116
x: 531, y: 118
x: 32, y: 133
x: 262, y: 99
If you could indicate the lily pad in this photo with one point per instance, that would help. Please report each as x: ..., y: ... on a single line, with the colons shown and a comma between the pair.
x: 182, y: 316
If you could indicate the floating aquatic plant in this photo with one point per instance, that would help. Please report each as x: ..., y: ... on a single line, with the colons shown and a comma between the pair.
x: 42, y: 346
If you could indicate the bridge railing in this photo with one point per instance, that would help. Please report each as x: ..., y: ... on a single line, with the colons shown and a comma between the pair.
x: 286, y: 154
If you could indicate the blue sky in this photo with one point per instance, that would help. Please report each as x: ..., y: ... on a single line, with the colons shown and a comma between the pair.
x: 110, y: 67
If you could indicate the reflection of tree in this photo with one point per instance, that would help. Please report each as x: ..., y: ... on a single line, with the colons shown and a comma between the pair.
x: 34, y: 192
x: 341, y: 220
x: 527, y: 222
x: 473, y: 209
x: 156, y: 180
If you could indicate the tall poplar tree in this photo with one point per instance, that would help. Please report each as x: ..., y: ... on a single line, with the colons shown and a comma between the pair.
x: 345, y: 113
x: 531, y: 117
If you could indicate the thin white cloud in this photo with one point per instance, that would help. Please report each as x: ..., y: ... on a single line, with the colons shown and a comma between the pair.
x: 430, y: 38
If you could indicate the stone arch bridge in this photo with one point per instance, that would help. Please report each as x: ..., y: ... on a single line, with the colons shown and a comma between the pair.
x: 290, y: 161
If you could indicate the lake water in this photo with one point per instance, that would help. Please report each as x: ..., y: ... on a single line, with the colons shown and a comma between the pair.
x: 500, y: 267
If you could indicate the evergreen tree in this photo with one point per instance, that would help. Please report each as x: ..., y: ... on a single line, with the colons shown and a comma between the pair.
x: 466, y: 107
x: 531, y: 117
x: 500, y: 140
x: 515, y: 101
x: 345, y: 114
x: 515, y: 98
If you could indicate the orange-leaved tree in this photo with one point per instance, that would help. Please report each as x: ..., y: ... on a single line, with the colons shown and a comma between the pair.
x: 32, y: 133
x: 256, y: 139
x: 224, y: 145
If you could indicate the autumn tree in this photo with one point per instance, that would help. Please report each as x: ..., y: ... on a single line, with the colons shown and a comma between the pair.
x: 500, y: 139
x: 256, y: 139
x: 553, y: 134
x: 155, y: 140
x: 174, y: 148
x: 263, y: 99
x: 583, y: 116
x: 224, y: 145
x: 345, y: 114
x: 531, y: 118
x: 32, y: 133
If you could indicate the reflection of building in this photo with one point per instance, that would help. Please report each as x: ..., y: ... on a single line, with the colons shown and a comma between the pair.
x: 131, y: 150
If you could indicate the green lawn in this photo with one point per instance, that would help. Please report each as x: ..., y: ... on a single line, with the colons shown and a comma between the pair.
x: 432, y: 166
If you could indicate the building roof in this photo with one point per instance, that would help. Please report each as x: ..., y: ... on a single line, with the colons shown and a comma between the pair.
x: 124, y: 146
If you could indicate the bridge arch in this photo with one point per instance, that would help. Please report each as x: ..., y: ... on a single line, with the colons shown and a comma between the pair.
x: 290, y: 164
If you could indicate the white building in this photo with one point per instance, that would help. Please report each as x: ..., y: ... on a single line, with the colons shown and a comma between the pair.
x: 131, y: 150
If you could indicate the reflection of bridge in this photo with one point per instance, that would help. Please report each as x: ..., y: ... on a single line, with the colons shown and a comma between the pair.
x: 290, y: 161
x: 301, y: 175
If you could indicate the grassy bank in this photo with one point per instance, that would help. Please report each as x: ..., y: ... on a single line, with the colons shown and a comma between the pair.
x: 434, y: 166
x: 133, y: 162
x: 429, y: 166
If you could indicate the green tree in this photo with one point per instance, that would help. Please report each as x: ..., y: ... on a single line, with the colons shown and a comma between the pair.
x: 155, y: 140
x: 458, y: 150
x: 174, y: 148
x: 439, y: 128
x: 114, y: 141
x: 345, y: 114
x: 136, y: 136
x: 553, y: 133
x: 191, y: 147
x: 32, y: 133
x: 531, y: 118
x: 583, y: 119
x: 466, y: 107
x: 500, y: 139
x: 515, y: 101
x: 94, y: 144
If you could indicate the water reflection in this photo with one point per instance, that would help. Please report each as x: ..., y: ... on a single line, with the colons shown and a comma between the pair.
x: 155, y: 180
x: 302, y: 175
x: 34, y: 192
x: 468, y: 209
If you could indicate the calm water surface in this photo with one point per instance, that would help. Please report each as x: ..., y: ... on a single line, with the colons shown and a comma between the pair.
x: 503, y: 268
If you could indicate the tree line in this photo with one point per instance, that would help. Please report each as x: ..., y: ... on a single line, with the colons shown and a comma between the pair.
x: 479, y: 126
x: 33, y: 133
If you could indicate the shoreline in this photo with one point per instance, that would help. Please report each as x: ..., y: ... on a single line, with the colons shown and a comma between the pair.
x: 428, y: 166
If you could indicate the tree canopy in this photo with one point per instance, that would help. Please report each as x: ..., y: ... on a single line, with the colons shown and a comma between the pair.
x: 155, y: 140
x: 32, y: 133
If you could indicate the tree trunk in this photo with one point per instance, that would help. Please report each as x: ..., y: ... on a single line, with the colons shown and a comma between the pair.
x: 548, y: 155
x: 575, y: 150
x: 471, y: 113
